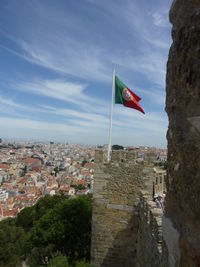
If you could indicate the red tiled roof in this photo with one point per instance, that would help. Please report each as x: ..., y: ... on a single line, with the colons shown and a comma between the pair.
x: 83, y: 182
x: 84, y: 172
x: 10, y: 213
x: 77, y: 182
x: 36, y: 168
x: 66, y: 189
x: 23, y: 180
x: 4, y: 166
x: 89, y: 165
x: 31, y: 161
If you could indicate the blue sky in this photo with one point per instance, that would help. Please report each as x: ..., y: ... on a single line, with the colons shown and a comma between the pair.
x: 56, y: 61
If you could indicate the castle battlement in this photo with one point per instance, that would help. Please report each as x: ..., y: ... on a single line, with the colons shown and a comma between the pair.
x: 152, y: 249
x: 116, y: 156
x: 126, y: 222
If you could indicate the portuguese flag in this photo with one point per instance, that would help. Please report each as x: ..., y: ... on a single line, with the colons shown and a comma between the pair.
x: 124, y: 96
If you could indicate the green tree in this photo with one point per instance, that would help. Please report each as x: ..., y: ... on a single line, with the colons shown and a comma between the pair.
x: 83, y: 163
x: 78, y: 187
x: 12, y: 240
x: 47, y: 203
x: 55, y: 226
x: 41, y: 255
x: 59, y: 261
x: 26, y: 218
x: 56, y: 169
x: 67, y: 226
x: 117, y: 147
x: 82, y: 263
x: 24, y: 171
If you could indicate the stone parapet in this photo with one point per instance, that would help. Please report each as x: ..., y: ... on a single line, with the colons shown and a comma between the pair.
x: 100, y: 156
x: 152, y: 250
x: 118, y: 156
x: 115, y: 212
x: 126, y: 225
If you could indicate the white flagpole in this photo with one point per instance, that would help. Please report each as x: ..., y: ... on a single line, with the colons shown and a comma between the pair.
x: 111, y: 113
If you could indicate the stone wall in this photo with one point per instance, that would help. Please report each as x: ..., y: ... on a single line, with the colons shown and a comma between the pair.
x: 126, y: 225
x: 115, y: 211
x: 183, y: 108
x: 152, y: 249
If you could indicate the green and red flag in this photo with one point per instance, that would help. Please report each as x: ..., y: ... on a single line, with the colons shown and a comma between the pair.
x: 124, y: 96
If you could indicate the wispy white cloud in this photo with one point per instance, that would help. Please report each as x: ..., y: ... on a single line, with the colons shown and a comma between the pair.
x: 142, y: 23
x: 52, y: 88
x: 24, y: 123
x: 122, y: 116
x: 158, y: 43
x: 155, y: 95
x: 72, y: 116
x: 160, y: 19
x: 40, y: 130
x: 126, y: 126
x: 151, y: 65
x: 12, y: 51
x: 88, y: 125
x: 93, y: 118
x: 71, y: 92
x: 154, y: 123
x: 148, y: 57
x: 9, y: 102
x: 150, y: 122
x: 79, y: 60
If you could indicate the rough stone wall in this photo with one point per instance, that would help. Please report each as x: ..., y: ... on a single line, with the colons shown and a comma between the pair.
x: 126, y: 225
x: 152, y: 250
x: 115, y: 212
x: 183, y: 108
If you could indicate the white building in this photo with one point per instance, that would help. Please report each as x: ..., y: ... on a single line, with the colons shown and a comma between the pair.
x: 71, y: 191
x: 3, y: 195
x: 159, y: 180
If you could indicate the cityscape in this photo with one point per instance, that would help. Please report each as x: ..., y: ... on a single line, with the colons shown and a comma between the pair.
x: 29, y: 171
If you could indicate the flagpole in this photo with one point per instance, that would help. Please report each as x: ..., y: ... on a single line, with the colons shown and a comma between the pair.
x: 111, y: 113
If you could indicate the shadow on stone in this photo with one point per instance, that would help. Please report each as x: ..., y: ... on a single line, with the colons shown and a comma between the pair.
x: 123, y: 251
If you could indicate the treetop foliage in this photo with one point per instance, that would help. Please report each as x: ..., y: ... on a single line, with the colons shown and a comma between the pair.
x: 117, y: 147
x: 57, y: 230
